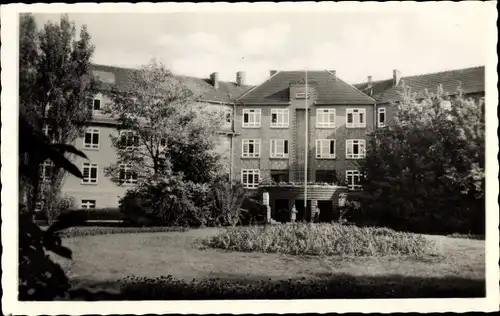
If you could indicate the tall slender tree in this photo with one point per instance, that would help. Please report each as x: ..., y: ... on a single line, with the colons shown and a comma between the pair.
x: 55, y: 84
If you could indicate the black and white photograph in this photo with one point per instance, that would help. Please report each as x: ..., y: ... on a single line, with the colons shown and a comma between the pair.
x: 243, y: 158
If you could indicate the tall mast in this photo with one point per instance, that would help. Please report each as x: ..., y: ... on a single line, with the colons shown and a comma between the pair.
x: 306, y: 148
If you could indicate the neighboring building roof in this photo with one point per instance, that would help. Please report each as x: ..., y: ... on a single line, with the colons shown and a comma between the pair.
x: 330, y: 89
x: 471, y: 80
x: 226, y: 92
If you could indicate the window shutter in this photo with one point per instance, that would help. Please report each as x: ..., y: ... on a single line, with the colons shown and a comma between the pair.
x: 286, y: 147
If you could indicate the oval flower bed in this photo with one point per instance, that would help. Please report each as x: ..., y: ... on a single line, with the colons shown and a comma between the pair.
x: 321, y: 239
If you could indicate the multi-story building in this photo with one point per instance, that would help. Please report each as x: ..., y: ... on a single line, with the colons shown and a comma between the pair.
x: 268, y: 131
x: 273, y: 130
x: 97, y: 190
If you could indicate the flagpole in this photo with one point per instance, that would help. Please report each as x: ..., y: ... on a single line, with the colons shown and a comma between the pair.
x: 306, y: 148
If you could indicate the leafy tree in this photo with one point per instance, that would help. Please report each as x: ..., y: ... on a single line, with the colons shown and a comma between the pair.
x: 162, y: 127
x: 425, y: 172
x: 55, y: 82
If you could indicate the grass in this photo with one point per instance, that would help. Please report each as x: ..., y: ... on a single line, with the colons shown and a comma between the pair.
x: 102, y: 262
x: 321, y: 239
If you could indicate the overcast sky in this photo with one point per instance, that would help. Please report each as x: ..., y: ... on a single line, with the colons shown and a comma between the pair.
x: 355, y: 44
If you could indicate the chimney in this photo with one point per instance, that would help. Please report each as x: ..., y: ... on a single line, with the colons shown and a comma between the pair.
x: 240, y: 78
x: 396, y: 77
x: 369, y: 86
x: 272, y: 73
x: 215, y: 79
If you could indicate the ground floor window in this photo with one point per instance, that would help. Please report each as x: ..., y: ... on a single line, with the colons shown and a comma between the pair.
x: 280, y: 175
x: 353, y: 179
x: 88, y: 204
x: 250, y: 178
x: 326, y: 176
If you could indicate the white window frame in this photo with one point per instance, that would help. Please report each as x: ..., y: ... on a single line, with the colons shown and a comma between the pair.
x: 349, y: 148
x: 127, y: 170
x: 283, y: 114
x: 321, y: 114
x: 254, y: 118
x: 88, y: 204
x: 380, y: 111
x: 43, y: 168
x: 278, y: 148
x: 349, y: 179
x: 250, y: 172
x: 90, y: 166
x: 128, y: 132
x: 245, y: 144
x: 325, y: 144
x: 91, y: 145
x: 355, y: 112
x: 93, y: 104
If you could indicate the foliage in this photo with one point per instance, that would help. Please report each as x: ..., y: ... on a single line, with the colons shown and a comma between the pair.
x: 102, y: 230
x: 340, y: 286
x: 321, y: 239
x: 56, y: 83
x: 225, y: 201
x: 39, y: 277
x: 54, y: 203
x: 425, y: 173
x: 160, y: 127
x: 166, y: 200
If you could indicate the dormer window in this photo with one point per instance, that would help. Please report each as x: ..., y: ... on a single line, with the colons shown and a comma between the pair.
x: 95, y: 104
x: 302, y: 95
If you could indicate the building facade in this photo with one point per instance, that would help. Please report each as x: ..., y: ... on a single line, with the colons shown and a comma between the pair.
x: 272, y: 130
x: 97, y: 190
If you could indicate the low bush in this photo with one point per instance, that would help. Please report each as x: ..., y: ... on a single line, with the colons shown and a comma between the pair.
x: 337, y: 286
x: 321, y: 239
x: 99, y: 214
x: 94, y: 231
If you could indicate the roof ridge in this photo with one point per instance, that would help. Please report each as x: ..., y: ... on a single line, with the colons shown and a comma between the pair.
x: 255, y: 87
x: 426, y: 74
x: 352, y: 86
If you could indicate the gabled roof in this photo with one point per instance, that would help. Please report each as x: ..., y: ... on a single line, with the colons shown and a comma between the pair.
x: 226, y: 92
x: 471, y: 80
x: 330, y: 89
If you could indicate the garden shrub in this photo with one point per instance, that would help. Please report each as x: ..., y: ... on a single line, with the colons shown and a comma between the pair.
x: 321, y: 239
x: 336, y: 286
x: 224, y: 203
x: 166, y: 201
x: 255, y: 211
x: 99, y: 230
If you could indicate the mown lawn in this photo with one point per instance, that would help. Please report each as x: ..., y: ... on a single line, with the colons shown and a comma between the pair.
x: 101, y: 261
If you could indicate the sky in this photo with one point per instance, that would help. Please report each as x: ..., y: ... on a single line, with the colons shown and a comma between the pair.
x: 356, y: 44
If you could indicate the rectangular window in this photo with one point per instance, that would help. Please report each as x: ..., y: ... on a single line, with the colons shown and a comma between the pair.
x: 251, y: 118
x: 355, y: 149
x: 250, y: 148
x: 325, y: 118
x: 127, y: 175
x: 90, y: 172
x: 129, y: 140
x: 326, y: 176
x: 94, y: 104
x: 356, y: 118
x: 88, y: 204
x: 279, y: 148
x: 46, y: 171
x: 279, y: 118
x: 280, y: 175
x: 353, y: 179
x: 381, y: 117
x: 91, y: 139
x: 325, y: 148
x: 250, y: 178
